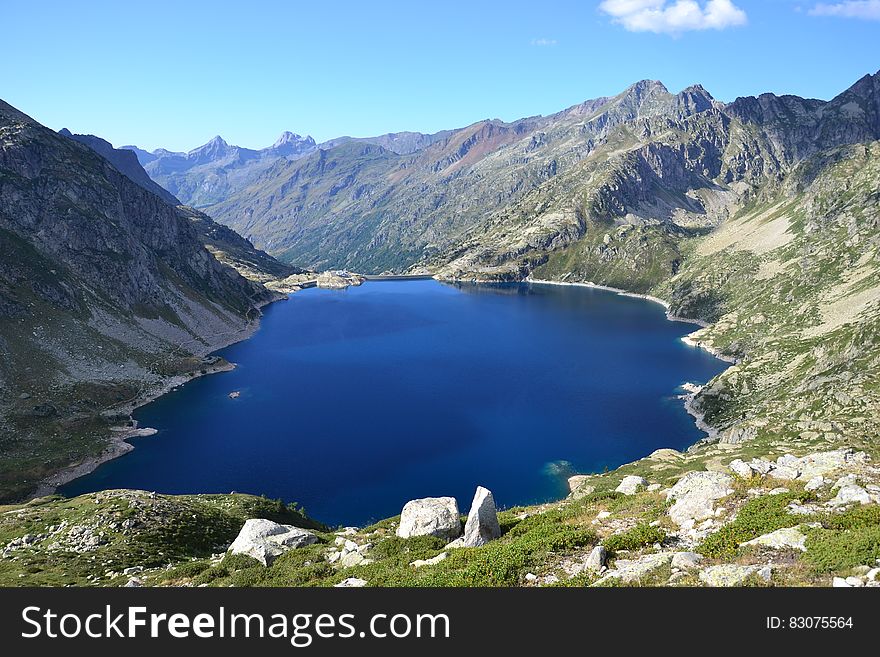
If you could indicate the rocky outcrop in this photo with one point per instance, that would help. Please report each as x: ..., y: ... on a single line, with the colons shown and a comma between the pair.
x: 265, y: 540
x: 631, y: 485
x: 730, y: 574
x: 787, y: 538
x: 694, y: 496
x: 482, y: 521
x: 430, y: 516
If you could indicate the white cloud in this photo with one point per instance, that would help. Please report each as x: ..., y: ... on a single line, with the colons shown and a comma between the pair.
x: 867, y: 9
x: 673, y: 17
x: 544, y: 42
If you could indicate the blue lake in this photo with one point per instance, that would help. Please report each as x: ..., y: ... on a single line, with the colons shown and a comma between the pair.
x: 353, y: 402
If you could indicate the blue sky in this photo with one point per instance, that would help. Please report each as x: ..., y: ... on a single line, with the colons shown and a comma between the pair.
x: 174, y: 74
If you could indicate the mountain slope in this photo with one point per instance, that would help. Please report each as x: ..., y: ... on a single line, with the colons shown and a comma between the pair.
x: 125, y: 161
x: 105, y: 291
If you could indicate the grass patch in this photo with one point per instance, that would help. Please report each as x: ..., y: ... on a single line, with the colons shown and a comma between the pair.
x: 635, y: 538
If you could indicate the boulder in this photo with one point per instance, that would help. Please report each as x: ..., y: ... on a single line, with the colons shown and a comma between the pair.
x: 695, y: 493
x: 430, y: 516
x: 741, y: 468
x: 265, y: 540
x: 686, y: 560
x: 482, y: 521
x: 351, y: 583
x: 577, y: 486
x: 631, y: 484
x: 727, y: 574
x: 596, y: 560
x: 786, y: 538
x: 632, y: 570
x: 433, y: 561
x: 850, y: 494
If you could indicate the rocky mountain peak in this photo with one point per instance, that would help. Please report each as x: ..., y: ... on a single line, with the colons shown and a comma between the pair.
x: 290, y: 143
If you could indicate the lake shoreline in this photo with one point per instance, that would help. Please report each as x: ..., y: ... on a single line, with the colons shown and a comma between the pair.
x: 690, y: 396
x: 119, y: 440
x: 119, y: 436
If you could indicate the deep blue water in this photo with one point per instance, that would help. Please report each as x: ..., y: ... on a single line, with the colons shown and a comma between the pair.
x: 353, y: 402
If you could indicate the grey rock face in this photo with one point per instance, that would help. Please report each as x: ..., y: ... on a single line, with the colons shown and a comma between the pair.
x: 430, y: 516
x: 265, y: 540
x: 482, y: 521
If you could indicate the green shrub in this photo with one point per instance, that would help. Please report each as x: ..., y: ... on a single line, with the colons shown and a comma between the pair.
x: 830, y: 551
x: 635, y: 538
x: 758, y: 516
x: 410, y: 549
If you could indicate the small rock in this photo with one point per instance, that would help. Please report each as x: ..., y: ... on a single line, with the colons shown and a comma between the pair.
x: 603, y: 514
x: 778, y: 491
x: 785, y: 472
x: 576, y: 485
x: 134, y: 582
x: 727, y: 574
x: 765, y: 573
x: 854, y: 581
x: 419, y: 563
x: 815, y: 483
x: 840, y: 583
x: 786, y: 538
x: 631, y: 484
x: 653, y: 488
x: 596, y: 560
x: 761, y: 466
x: 850, y: 493
x: 351, y: 583
x: 741, y: 468
x: 633, y: 570
x: 531, y: 577
x: 686, y: 560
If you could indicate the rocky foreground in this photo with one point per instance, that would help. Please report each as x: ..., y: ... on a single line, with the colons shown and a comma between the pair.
x: 671, y: 519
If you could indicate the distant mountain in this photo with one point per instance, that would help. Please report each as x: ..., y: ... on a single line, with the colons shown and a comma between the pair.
x: 491, y: 200
x: 124, y: 160
x: 402, y: 143
x: 211, y: 172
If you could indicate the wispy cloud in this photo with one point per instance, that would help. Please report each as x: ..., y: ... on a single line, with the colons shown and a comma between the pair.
x: 544, y: 43
x: 675, y: 16
x: 865, y: 9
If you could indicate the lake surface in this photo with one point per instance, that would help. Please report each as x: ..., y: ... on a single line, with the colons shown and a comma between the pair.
x: 355, y: 401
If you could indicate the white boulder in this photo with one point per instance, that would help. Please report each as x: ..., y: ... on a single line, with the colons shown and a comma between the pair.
x: 786, y: 538
x: 482, y: 521
x: 430, y: 516
x: 631, y: 484
x: 265, y: 540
